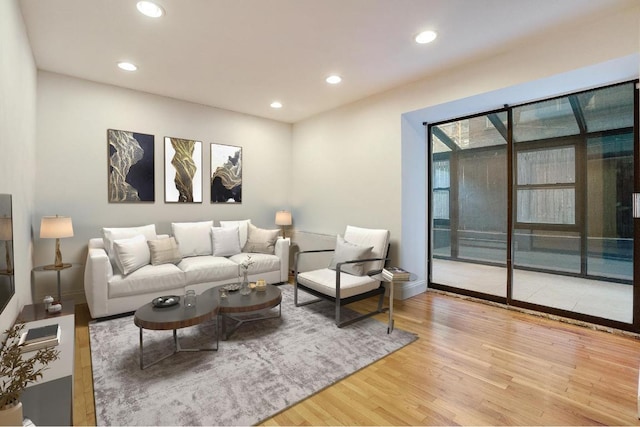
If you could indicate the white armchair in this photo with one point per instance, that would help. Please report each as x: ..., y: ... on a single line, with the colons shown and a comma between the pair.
x: 358, y: 255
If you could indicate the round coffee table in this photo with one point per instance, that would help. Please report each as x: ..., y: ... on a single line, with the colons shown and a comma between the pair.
x: 173, y: 318
x: 242, y: 308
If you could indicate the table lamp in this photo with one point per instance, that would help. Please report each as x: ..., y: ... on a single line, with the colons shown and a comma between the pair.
x: 283, y: 218
x: 6, y: 234
x: 56, y: 227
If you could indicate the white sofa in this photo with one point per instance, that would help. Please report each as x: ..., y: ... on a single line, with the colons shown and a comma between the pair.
x: 110, y: 291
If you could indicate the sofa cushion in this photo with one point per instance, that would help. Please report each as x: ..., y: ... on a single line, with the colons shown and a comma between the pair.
x: 132, y: 253
x: 115, y: 233
x: 260, y: 263
x: 243, y: 228
x: 163, y: 251
x: 194, y: 238
x: 205, y: 268
x: 147, y: 279
x: 347, y: 251
x: 324, y: 281
x: 225, y: 241
x: 260, y: 240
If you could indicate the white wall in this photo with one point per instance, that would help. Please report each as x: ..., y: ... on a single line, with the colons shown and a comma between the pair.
x: 347, y: 162
x: 72, y: 156
x: 17, y: 145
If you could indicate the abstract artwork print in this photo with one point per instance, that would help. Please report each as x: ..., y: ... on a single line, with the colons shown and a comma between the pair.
x: 131, y: 167
x: 182, y: 170
x: 226, y: 174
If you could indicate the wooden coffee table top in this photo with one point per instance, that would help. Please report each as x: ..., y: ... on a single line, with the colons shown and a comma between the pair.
x: 176, y: 316
x: 238, y: 303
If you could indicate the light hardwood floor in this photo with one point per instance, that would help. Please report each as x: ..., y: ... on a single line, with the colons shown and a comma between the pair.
x: 473, y: 364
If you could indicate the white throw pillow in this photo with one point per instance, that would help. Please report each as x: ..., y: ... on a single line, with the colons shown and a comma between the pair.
x: 132, y: 253
x: 243, y: 228
x: 194, y: 238
x: 226, y: 241
x: 111, y: 234
x: 347, y: 251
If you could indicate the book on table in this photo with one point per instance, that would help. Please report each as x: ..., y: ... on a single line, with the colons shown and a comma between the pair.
x: 37, y: 338
x: 395, y: 274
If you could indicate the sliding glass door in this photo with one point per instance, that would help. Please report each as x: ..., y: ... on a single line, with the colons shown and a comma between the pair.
x: 470, y: 203
x: 532, y: 206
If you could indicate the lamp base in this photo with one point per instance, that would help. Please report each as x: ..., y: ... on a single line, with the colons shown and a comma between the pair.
x: 57, y: 267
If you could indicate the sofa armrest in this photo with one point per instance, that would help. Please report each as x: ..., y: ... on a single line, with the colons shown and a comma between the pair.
x: 97, y: 273
x: 282, y: 252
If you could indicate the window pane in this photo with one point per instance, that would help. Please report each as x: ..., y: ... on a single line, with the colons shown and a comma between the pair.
x: 440, y: 204
x: 475, y: 132
x: 441, y: 240
x: 608, y: 108
x: 551, y: 250
x: 544, y: 120
x: 441, y: 173
x: 438, y: 146
x: 550, y: 166
x: 609, y: 212
x: 546, y: 206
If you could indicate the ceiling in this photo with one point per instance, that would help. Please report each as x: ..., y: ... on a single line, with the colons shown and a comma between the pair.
x: 241, y: 55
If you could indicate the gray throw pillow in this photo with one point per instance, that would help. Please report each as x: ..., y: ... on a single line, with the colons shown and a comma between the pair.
x: 164, y: 251
x: 347, y: 251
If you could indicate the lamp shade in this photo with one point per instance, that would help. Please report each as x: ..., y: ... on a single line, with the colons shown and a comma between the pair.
x: 283, y: 218
x: 56, y: 227
x: 6, y: 229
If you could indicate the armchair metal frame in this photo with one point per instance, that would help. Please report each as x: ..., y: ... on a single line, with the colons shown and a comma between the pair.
x: 339, y: 302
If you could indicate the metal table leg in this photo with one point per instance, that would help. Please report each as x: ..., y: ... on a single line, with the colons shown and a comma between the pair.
x: 390, y: 327
x: 176, y: 348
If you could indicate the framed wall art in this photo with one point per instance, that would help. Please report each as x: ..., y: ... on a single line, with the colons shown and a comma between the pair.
x: 182, y: 170
x: 131, y: 167
x: 226, y: 174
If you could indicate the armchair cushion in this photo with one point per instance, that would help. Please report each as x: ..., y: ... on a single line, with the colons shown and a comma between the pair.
x: 377, y: 238
x: 324, y: 281
x: 260, y: 240
x: 347, y: 251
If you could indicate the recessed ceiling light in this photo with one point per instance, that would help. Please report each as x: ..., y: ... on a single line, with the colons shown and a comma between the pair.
x: 334, y: 79
x: 150, y: 9
x: 426, y: 37
x: 127, y: 66
x: 276, y: 104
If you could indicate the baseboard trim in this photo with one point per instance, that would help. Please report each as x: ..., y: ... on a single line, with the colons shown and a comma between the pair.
x: 406, y: 290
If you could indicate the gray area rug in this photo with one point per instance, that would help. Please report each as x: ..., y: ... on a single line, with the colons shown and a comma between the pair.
x: 264, y: 367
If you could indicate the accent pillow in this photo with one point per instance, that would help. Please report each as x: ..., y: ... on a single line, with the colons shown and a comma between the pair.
x: 164, y: 251
x: 194, y: 238
x: 225, y: 241
x: 347, y: 251
x: 243, y: 227
x: 111, y: 234
x: 131, y: 254
x: 260, y: 240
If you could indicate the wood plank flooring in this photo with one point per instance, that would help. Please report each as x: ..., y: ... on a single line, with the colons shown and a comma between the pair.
x: 473, y: 364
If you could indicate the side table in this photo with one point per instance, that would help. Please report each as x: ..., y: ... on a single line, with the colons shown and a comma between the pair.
x: 49, y: 401
x: 57, y: 270
x: 392, y: 284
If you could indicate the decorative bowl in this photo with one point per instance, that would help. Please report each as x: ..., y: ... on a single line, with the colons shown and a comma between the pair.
x: 165, y: 301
